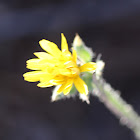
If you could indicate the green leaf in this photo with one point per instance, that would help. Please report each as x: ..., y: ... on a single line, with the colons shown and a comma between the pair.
x: 87, y: 77
x: 84, y: 53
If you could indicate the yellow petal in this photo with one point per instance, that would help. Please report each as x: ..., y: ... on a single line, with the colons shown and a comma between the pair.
x: 65, y: 72
x: 40, y: 64
x: 37, y: 66
x: 50, y: 47
x: 46, y: 78
x: 64, y: 44
x: 52, y: 79
x: 33, y: 64
x: 34, y: 67
x: 33, y: 76
x: 34, y: 60
x: 66, y: 55
x: 49, y: 61
x: 70, y: 64
x: 74, y: 54
x: 44, y: 84
x: 66, y: 87
x: 88, y: 67
x: 58, y: 80
x: 45, y: 81
x: 81, y: 85
x: 43, y: 55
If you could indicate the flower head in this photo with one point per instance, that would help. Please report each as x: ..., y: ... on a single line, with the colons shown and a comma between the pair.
x: 58, y: 67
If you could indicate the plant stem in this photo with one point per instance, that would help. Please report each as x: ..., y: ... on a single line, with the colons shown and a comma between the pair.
x: 113, y: 101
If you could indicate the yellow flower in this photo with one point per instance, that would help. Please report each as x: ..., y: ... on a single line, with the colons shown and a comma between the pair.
x: 57, y: 67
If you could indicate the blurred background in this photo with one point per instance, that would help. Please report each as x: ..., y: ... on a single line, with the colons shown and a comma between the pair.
x: 110, y: 27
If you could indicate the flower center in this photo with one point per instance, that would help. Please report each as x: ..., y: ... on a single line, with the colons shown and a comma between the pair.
x: 72, y: 67
x: 75, y: 71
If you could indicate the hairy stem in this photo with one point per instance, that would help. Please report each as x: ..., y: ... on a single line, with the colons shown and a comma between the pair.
x: 112, y: 100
